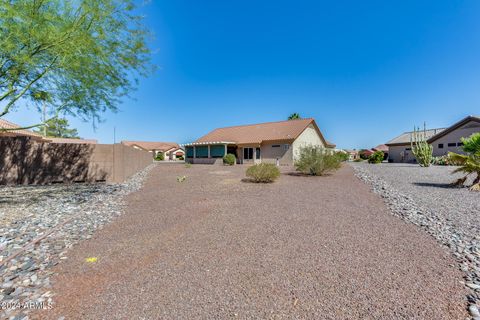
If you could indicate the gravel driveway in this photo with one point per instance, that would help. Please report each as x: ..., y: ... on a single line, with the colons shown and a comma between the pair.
x: 213, y: 247
x: 425, y: 197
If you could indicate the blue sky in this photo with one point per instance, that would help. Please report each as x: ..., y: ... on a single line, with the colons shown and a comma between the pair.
x: 365, y: 70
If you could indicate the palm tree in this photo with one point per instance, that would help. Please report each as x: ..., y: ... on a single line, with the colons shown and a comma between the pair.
x: 294, y: 116
x: 470, y: 161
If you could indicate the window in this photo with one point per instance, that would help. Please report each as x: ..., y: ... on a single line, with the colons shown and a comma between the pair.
x: 257, y: 151
x: 189, y: 151
x: 275, y: 146
x: 217, y: 151
x: 247, y: 153
x: 286, y: 147
x: 453, y: 144
x: 459, y: 144
x: 408, y: 149
x: 440, y: 146
x: 201, y: 151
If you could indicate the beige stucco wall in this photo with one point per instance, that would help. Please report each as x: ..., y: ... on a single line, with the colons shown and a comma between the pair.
x: 308, y: 137
x: 395, y: 154
x: 454, y: 137
x: 283, y: 153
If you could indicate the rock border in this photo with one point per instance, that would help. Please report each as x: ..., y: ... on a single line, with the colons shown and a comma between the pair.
x: 26, y: 272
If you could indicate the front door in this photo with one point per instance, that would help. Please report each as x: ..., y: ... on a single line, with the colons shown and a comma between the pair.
x: 247, y: 155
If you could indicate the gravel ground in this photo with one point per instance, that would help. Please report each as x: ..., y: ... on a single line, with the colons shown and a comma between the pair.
x: 214, y: 247
x: 425, y: 197
x: 38, y: 224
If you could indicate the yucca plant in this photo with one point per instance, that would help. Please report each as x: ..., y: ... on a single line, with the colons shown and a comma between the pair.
x: 470, y: 161
x: 421, y: 149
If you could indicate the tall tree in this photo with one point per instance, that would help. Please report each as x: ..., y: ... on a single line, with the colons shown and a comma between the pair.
x: 294, y: 116
x: 58, y: 128
x: 84, y: 54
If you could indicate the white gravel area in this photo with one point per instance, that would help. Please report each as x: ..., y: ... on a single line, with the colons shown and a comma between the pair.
x: 426, y: 197
x: 38, y: 224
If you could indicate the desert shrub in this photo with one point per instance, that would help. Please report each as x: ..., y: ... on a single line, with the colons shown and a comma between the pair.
x: 376, y: 157
x: 342, y: 156
x: 316, y: 161
x: 229, y: 159
x: 263, y: 172
x: 442, y: 161
x: 188, y: 165
x: 160, y: 156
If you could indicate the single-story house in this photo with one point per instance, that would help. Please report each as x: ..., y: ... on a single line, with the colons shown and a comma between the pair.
x: 400, y: 148
x: 449, y: 140
x: 271, y: 142
x: 352, y: 154
x: 171, y: 150
x: 36, y: 136
x: 15, y: 131
x: 443, y: 140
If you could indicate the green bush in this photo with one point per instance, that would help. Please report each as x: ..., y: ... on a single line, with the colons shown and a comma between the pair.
x: 180, y: 158
x: 263, y: 172
x: 442, y: 161
x: 376, y: 157
x: 160, y: 156
x: 229, y: 159
x: 342, y: 156
x: 317, y: 161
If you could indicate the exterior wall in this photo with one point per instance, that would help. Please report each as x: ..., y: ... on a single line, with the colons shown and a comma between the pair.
x: 309, y: 136
x: 400, y: 154
x: 25, y: 161
x: 270, y: 154
x: 454, y: 137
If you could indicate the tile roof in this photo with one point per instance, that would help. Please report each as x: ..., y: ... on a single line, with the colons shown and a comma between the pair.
x: 4, y: 124
x: 381, y: 147
x: 455, y: 126
x: 69, y: 140
x: 406, y: 137
x: 152, y: 145
x: 256, y: 133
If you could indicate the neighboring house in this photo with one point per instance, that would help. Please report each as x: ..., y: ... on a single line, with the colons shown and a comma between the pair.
x: 36, y: 136
x: 4, y: 124
x: 449, y: 140
x: 400, y: 148
x: 384, y: 149
x: 171, y: 150
x: 352, y: 154
x: 272, y: 142
x: 443, y: 140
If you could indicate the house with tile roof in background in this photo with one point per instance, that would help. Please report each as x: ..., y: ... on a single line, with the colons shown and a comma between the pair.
x: 443, y: 140
x: 271, y: 142
x: 14, y: 130
x: 171, y: 150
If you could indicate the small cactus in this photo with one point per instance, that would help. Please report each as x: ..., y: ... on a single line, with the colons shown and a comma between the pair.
x: 421, y: 149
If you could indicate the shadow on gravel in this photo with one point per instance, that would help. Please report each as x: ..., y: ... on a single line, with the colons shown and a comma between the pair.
x: 436, y: 185
x: 300, y: 174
